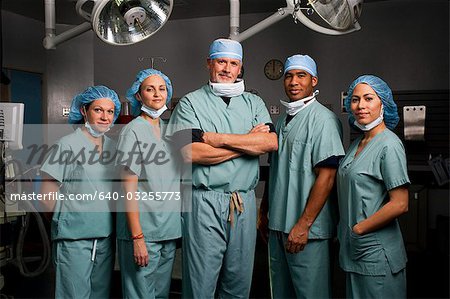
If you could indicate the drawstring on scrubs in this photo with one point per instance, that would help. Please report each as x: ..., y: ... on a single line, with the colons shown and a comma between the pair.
x: 94, y: 250
x: 235, y: 203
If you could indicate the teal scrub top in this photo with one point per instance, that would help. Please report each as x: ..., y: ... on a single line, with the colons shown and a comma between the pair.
x: 137, y: 149
x: 82, y: 172
x: 363, y: 184
x: 203, y: 110
x: 312, y: 136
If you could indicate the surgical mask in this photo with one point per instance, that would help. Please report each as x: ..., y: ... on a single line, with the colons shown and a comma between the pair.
x: 292, y: 108
x: 228, y: 89
x: 152, y: 112
x: 371, y: 125
x: 94, y: 132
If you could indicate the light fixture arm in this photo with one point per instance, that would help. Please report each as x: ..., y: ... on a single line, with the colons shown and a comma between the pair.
x: 51, y: 40
x: 234, y: 18
x: 234, y: 21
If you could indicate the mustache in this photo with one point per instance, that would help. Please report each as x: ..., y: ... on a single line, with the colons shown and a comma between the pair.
x: 225, y: 74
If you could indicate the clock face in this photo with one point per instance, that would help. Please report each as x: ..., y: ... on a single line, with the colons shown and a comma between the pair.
x: 274, y: 69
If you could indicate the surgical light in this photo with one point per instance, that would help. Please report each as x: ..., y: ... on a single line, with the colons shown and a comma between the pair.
x: 340, y: 15
x: 116, y: 22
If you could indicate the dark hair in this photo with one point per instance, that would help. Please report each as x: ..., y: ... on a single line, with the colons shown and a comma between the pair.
x: 88, y: 105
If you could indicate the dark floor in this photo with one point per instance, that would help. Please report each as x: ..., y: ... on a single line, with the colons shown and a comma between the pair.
x: 427, y: 273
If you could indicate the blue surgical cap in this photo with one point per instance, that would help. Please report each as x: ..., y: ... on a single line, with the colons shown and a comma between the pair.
x: 140, y: 77
x: 383, y: 91
x: 301, y: 62
x: 225, y: 48
x: 91, y: 94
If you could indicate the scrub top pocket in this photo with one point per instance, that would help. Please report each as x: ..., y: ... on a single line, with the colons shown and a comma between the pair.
x: 367, y: 251
x: 300, y: 156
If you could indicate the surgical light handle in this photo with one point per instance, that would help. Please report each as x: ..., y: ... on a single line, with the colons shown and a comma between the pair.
x: 81, y: 11
x: 311, y: 25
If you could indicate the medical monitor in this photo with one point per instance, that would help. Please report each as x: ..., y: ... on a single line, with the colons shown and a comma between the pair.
x: 11, y: 124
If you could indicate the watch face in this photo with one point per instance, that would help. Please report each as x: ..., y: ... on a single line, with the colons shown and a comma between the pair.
x: 274, y: 69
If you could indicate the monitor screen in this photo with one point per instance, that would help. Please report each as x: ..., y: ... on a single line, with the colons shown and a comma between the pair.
x: 11, y: 124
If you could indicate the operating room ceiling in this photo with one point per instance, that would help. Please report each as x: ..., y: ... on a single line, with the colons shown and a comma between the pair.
x: 183, y: 9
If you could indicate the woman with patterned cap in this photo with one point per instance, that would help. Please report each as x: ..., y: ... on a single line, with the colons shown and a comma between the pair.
x: 81, y: 165
x: 372, y: 186
x: 151, y: 222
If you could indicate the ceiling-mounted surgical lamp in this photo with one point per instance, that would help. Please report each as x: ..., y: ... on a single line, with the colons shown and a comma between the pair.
x: 340, y: 15
x: 116, y: 22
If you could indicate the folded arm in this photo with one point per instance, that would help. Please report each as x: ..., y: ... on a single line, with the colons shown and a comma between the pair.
x: 216, y: 148
x: 256, y: 142
x: 202, y: 153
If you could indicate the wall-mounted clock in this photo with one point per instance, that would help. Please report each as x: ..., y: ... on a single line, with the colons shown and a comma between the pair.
x: 273, y: 69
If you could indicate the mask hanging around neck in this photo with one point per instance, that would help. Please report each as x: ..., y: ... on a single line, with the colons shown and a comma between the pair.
x: 152, y: 112
x: 371, y: 125
x: 292, y: 108
x: 228, y: 89
x: 93, y: 131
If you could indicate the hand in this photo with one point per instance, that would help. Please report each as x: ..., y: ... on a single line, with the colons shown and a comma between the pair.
x: 212, y: 139
x: 263, y: 225
x: 357, y: 230
x: 260, y: 128
x: 140, y: 252
x: 298, y: 237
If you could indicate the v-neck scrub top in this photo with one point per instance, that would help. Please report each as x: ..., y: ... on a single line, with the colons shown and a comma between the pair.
x: 201, y: 109
x: 363, y: 184
x: 312, y: 136
x: 160, y: 220
x: 80, y: 175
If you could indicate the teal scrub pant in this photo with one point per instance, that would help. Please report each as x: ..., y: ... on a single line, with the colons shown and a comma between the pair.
x: 301, y: 275
x: 83, y: 268
x: 148, y: 282
x: 380, y: 286
x: 217, y: 257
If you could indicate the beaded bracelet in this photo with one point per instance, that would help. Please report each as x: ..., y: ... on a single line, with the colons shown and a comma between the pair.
x: 139, y: 236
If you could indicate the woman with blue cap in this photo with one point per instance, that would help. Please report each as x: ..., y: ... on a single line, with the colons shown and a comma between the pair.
x: 80, y: 166
x: 372, y: 185
x: 147, y: 232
